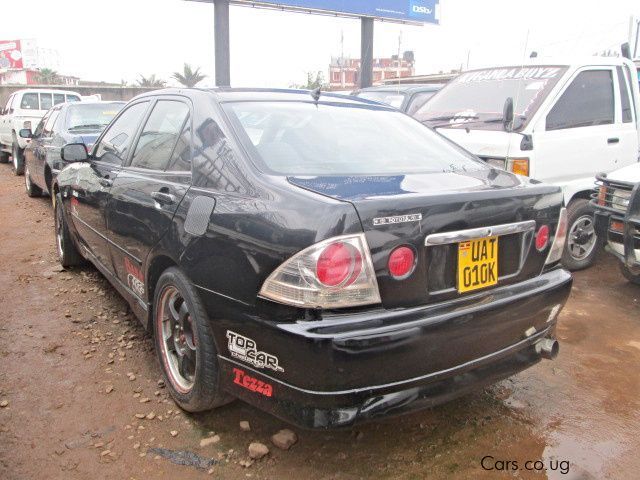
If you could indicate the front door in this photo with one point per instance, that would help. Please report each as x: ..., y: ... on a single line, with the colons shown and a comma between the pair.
x: 145, y: 195
x: 577, y: 139
x: 94, y: 179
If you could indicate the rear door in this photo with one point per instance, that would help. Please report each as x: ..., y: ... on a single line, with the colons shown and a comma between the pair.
x: 94, y: 180
x: 579, y: 136
x: 627, y: 120
x: 147, y: 192
x: 43, y: 146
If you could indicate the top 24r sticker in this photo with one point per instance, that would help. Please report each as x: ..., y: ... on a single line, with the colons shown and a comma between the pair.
x: 245, y: 349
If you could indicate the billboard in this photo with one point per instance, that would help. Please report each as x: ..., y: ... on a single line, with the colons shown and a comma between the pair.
x: 10, y: 54
x: 408, y: 11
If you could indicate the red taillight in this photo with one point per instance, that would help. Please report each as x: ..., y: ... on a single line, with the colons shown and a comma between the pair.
x: 542, y: 238
x: 339, y: 264
x: 401, y: 262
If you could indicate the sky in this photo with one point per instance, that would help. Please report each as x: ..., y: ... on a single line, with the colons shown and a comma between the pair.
x: 122, y: 39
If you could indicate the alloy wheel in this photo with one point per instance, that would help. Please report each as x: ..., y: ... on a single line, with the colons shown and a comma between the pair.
x: 178, y: 342
x: 582, y: 237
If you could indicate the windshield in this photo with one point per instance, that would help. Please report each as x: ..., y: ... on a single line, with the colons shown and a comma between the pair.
x: 476, y: 99
x: 91, y: 116
x: 300, y: 138
x: 394, y: 99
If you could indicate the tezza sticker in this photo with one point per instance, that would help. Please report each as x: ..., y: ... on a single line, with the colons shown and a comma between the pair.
x: 245, y: 349
x: 135, y: 278
x: 241, y: 378
x: 414, y: 217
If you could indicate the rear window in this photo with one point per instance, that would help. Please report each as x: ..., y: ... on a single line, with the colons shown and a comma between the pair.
x: 299, y: 138
x: 91, y: 116
x: 73, y: 98
x: 30, y: 101
x: 394, y: 99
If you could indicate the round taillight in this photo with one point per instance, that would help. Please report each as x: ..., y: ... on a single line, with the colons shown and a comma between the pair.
x: 542, y: 238
x: 339, y: 264
x: 401, y: 262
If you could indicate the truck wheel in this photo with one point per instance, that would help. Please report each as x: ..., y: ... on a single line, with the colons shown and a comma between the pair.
x: 184, y: 344
x: 67, y: 252
x: 18, y: 159
x: 632, y: 277
x: 583, y: 244
x: 4, y: 157
x: 32, y: 190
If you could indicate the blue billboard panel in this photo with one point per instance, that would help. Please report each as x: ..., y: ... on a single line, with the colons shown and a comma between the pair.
x: 416, y: 11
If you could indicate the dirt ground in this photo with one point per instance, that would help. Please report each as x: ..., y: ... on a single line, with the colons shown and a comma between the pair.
x: 76, y: 368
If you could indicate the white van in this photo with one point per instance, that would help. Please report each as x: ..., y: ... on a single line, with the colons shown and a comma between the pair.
x: 558, y: 122
x: 25, y: 109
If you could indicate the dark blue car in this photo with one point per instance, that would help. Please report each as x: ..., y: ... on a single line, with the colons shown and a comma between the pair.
x: 324, y: 258
x: 72, y: 122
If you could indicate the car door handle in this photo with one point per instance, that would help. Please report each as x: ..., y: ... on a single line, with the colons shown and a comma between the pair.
x: 163, y: 198
x: 105, y: 182
x: 613, y: 140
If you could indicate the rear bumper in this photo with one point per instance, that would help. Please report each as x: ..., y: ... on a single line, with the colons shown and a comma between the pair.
x: 357, y: 367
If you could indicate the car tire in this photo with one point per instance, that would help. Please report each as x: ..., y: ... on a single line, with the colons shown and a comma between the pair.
x: 185, y: 345
x: 68, y: 254
x: 17, y: 160
x: 32, y: 189
x: 632, y: 277
x: 583, y: 244
x: 4, y: 157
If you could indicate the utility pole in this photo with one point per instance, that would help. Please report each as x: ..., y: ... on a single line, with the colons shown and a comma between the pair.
x: 366, y: 52
x: 399, y: 58
x: 221, y: 34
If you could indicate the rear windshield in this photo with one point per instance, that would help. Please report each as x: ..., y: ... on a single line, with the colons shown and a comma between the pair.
x: 299, y: 138
x: 91, y: 116
x: 476, y: 99
x: 394, y: 99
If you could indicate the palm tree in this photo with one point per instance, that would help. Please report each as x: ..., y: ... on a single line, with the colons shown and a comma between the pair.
x: 151, y: 81
x: 189, y: 78
x: 46, y: 76
x: 314, y: 80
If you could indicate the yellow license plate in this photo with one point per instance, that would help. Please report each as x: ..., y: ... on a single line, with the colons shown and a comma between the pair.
x: 477, y: 264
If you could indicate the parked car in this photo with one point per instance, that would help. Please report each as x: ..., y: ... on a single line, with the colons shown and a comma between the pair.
x: 565, y: 122
x: 76, y: 122
x: 407, y: 98
x: 283, y: 252
x: 24, y: 109
x: 617, y: 212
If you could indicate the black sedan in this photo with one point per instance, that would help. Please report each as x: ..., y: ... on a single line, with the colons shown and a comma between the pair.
x: 65, y: 123
x: 326, y: 259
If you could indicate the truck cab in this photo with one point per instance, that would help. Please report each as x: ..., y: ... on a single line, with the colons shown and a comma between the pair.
x: 568, y: 122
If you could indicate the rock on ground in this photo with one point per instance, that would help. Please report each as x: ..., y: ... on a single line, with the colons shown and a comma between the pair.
x: 258, y: 450
x: 284, y: 439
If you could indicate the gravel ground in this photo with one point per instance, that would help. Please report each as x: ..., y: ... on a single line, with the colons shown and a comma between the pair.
x: 80, y: 395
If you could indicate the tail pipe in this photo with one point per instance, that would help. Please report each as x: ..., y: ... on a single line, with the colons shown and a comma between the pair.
x: 548, y: 348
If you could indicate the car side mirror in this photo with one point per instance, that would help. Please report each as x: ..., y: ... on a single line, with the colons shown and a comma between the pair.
x: 74, y: 152
x: 25, y: 133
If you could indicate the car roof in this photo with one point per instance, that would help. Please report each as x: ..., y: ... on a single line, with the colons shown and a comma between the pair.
x: 575, y: 62
x: 227, y: 94
x: 45, y: 90
x: 405, y: 88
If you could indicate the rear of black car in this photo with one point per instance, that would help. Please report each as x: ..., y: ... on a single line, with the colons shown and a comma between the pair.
x: 453, y: 283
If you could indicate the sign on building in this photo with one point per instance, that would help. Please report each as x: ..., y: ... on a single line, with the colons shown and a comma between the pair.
x: 10, y: 54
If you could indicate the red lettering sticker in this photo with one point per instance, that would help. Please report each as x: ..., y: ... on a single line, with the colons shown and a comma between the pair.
x: 252, y: 384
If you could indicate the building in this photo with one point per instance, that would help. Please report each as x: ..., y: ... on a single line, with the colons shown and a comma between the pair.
x: 21, y: 60
x: 344, y: 72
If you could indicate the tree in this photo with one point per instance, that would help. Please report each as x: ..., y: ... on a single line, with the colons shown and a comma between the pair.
x: 312, y: 82
x: 151, y: 81
x: 46, y: 76
x: 189, y: 78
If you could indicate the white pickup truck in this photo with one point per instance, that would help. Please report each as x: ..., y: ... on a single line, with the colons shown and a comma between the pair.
x: 25, y: 109
x: 558, y: 122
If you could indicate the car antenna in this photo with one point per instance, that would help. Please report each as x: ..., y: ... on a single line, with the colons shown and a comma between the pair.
x: 315, y: 93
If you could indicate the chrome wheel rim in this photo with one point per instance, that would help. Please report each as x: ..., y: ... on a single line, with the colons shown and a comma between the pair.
x: 59, y: 238
x: 177, y: 339
x: 582, y: 237
x: 27, y: 180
